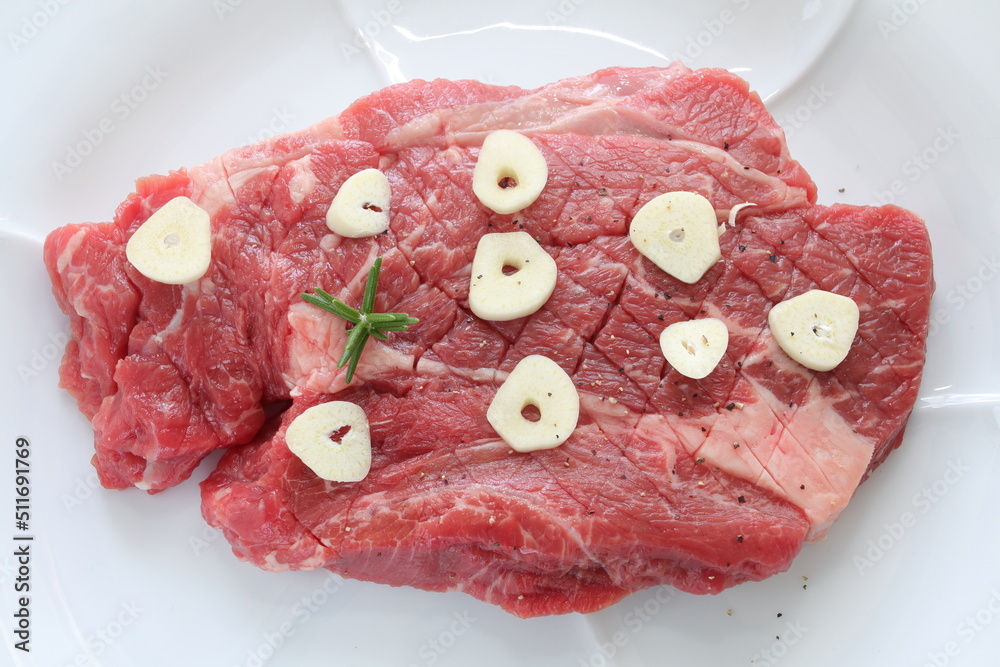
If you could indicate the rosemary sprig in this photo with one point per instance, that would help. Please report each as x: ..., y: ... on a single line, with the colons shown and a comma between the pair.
x: 366, y: 323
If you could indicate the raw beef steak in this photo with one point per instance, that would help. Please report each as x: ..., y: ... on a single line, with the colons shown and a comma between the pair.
x: 697, y: 483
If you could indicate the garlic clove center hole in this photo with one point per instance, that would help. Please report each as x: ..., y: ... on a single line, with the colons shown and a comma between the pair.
x: 531, y: 413
x: 338, y: 435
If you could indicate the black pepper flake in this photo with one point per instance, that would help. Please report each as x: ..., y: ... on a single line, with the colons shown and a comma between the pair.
x: 568, y: 244
x: 603, y: 192
x: 666, y: 296
x: 731, y: 406
x: 589, y: 218
x: 703, y: 429
x: 773, y: 258
x: 802, y: 486
x: 742, y: 248
x: 725, y: 145
x: 840, y: 190
x: 621, y: 370
x: 590, y: 511
x: 680, y: 414
x: 496, y: 544
x: 746, y: 168
x: 736, y: 445
x: 698, y: 462
x: 739, y: 538
x: 742, y: 499
x: 779, y: 614
x: 624, y: 477
x: 659, y: 317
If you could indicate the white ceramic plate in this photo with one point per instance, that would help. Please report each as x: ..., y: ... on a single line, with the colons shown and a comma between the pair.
x: 882, y: 101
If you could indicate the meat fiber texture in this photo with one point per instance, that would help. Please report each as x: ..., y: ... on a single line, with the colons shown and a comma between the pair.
x: 701, y: 484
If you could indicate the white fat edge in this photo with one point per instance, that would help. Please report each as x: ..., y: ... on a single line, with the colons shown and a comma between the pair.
x: 302, y: 181
x: 210, y: 188
x: 790, y: 197
x: 317, y: 560
x: 525, y: 502
x: 145, y: 484
x: 240, y: 178
x: 541, y: 110
x: 426, y: 366
x: 315, y: 342
x: 357, y: 283
x: 818, y: 429
x: 601, y: 404
x: 149, y: 474
x: 66, y: 256
x: 268, y: 153
x: 848, y: 452
x: 749, y: 424
x: 378, y: 357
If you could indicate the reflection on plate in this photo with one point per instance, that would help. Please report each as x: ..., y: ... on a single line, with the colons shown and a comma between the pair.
x: 883, y: 102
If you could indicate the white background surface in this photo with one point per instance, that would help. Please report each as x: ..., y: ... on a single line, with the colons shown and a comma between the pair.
x: 882, y: 101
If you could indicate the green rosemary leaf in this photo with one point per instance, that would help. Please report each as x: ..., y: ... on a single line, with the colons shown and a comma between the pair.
x: 353, y: 363
x: 335, y: 306
x: 368, y: 302
x: 366, y: 323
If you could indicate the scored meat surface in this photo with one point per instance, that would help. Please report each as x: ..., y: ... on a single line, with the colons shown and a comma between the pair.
x: 700, y: 484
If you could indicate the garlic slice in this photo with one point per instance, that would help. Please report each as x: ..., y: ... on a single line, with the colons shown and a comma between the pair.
x: 361, y: 206
x: 510, y: 173
x: 530, y: 281
x: 678, y: 232
x: 309, y: 438
x: 816, y: 328
x: 173, y: 246
x: 540, y: 382
x: 695, y: 347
